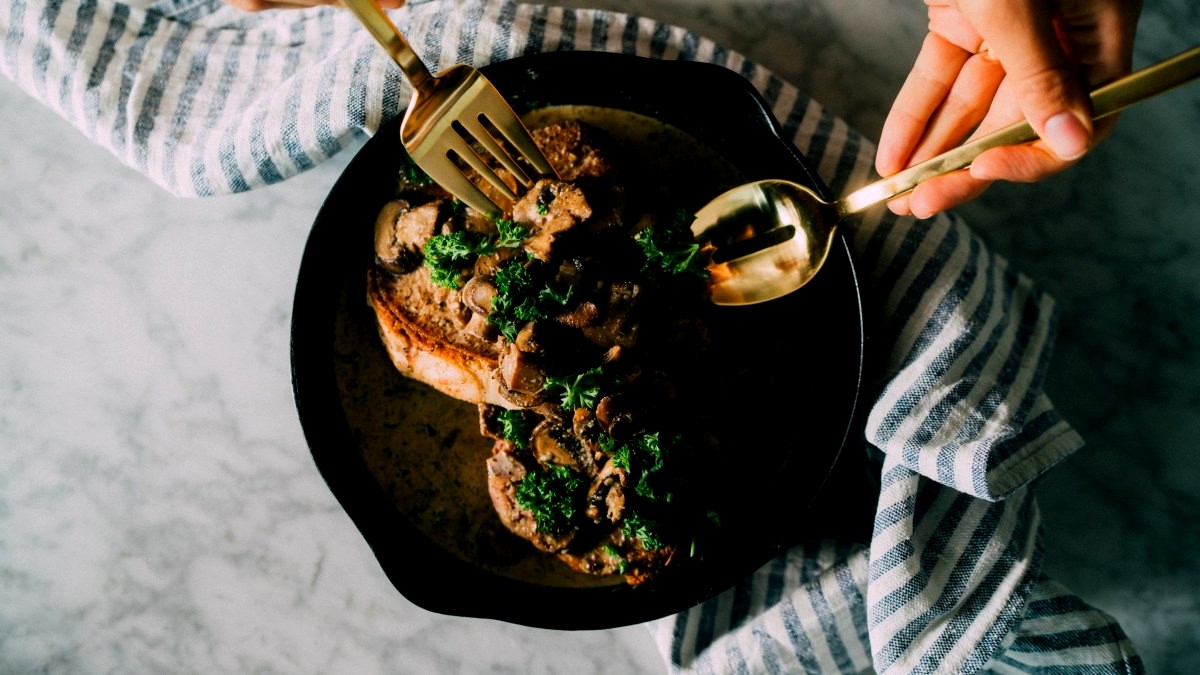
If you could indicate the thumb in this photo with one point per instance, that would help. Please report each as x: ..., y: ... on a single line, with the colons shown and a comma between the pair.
x: 1047, y: 85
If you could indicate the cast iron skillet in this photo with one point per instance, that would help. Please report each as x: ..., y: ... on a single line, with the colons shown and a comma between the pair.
x: 723, y: 110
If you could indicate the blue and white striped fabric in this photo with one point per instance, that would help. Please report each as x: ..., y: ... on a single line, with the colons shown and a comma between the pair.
x: 204, y: 100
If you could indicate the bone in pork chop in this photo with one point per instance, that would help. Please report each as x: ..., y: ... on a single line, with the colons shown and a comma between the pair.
x: 576, y: 324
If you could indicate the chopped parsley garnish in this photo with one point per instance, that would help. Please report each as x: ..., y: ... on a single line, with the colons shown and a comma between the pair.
x: 622, y: 564
x: 554, y: 495
x: 447, y: 254
x: 515, y: 427
x: 520, y: 297
x: 644, y: 458
x: 549, y: 294
x: 648, y: 530
x: 670, y: 249
x: 581, y: 391
x: 652, y: 462
x: 509, y: 233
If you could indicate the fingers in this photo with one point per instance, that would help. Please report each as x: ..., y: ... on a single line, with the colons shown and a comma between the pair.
x: 947, y: 95
x: 940, y: 194
x: 966, y: 105
x: 949, y: 23
x: 1022, y: 36
x: 1044, y: 54
x: 932, y: 76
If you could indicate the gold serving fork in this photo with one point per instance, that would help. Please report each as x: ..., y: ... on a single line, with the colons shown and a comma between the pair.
x: 451, y: 114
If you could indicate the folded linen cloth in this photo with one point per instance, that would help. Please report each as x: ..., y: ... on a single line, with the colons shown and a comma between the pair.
x: 204, y: 99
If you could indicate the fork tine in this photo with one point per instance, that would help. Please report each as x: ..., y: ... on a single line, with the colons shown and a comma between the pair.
x: 461, y: 99
x: 476, y: 130
x: 454, y: 143
x: 519, y: 136
x: 453, y: 181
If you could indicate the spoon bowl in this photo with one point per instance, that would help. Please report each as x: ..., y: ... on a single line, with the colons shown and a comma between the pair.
x: 768, y: 238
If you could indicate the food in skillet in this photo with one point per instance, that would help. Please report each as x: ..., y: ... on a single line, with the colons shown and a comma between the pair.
x: 576, y: 323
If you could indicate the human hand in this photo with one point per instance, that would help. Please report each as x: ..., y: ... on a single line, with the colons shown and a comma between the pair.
x: 988, y: 63
x: 260, y: 5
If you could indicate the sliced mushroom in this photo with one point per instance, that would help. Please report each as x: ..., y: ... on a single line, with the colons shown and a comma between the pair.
x: 568, y: 274
x: 529, y: 338
x: 519, y: 371
x: 582, y: 314
x: 615, y: 414
x: 480, y: 327
x: 554, y: 444
x: 478, y: 292
x: 488, y: 265
x: 519, y: 399
x: 619, y: 326
x: 606, y: 495
x: 401, y: 231
x: 583, y: 424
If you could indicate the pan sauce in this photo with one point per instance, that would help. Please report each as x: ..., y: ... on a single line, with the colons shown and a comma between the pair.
x: 424, y: 448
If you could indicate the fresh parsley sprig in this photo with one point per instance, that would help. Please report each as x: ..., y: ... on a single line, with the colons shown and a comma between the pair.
x: 579, y: 391
x: 509, y: 234
x: 645, y: 459
x: 647, y: 530
x: 413, y: 173
x: 555, y: 496
x: 516, y: 426
x: 670, y: 249
x: 522, y: 297
x: 447, y: 254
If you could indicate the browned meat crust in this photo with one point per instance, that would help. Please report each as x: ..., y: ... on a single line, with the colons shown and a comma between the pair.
x: 584, y: 479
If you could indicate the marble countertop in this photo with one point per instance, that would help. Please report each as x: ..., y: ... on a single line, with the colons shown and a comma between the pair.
x: 159, y: 509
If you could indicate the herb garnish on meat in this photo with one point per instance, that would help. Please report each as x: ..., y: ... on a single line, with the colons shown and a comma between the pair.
x: 447, y: 254
x: 580, y: 391
x: 589, y: 300
x: 516, y: 427
x: 521, y: 297
x: 671, y: 249
x: 554, y: 496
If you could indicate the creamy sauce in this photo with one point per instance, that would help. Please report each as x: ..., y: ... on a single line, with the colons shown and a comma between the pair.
x: 425, y: 448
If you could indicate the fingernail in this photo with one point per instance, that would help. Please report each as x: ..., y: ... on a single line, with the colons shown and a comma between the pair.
x: 1067, y: 136
x: 899, y: 206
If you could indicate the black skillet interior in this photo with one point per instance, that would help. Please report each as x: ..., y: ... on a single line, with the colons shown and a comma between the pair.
x: 720, y: 108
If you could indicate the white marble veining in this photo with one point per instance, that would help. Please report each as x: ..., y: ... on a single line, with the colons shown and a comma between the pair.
x: 159, y: 510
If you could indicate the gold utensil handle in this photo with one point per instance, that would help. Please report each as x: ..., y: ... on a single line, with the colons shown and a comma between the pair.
x: 377, y: 23
x: 1106, y: 100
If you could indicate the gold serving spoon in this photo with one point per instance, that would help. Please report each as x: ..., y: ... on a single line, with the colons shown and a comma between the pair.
x: 770, y: 237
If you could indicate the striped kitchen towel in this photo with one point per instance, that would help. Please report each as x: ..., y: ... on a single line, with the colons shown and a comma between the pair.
x: 204, y: 100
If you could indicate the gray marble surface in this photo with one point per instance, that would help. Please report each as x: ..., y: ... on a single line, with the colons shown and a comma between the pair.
x: 159, y: 511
